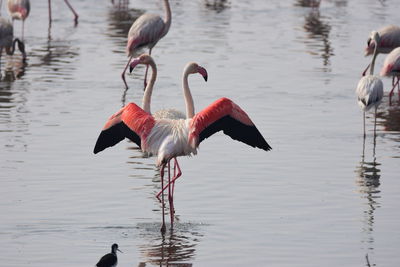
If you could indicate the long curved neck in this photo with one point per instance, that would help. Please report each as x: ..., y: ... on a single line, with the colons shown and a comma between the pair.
x: 187, y: 95
x: 149, y: 88
x: 168, y: 17
x: 371, y: 69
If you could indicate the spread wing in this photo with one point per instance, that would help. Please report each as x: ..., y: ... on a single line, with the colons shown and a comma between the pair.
x: 224, y: 115
x: 130, y: 122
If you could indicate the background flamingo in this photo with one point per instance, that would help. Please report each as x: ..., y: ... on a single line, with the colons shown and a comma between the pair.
x: 169, y: 138
x: 391, y: 67
x: 70, y: 7
x: 370, y: 88
x: 147, y: 30
x: 6, y: 39
x: 389, y: 40
x: 19, y: 9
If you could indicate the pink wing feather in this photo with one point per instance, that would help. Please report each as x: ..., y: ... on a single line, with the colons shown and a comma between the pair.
x: 225, y: 115
x: 129, y: 122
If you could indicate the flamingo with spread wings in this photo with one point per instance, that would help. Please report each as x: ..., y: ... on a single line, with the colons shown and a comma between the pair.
x: 171, y: 138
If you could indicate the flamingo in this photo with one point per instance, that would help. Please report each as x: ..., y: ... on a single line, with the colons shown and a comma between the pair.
x: 389, y: 40
x: 7, y: 40
x: 391, y: 67
x: 19, y: 9
x: 110, y: 259
x: 147, y: 30
x: 171, y: 138
x: 164, y: 113
x: 70, y: 7
x: 370, y: 88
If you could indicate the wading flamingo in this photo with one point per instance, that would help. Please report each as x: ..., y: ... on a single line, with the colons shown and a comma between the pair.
x: 147, y: 30
x: 389, y: 40
x: 70, y: 7
x: 6, y: 39
x: 164, y: 113
x: 370, y: 88
x: 171, y: 138
x: 19, y: 9
x: 110, y: 259
x: 391, y: 67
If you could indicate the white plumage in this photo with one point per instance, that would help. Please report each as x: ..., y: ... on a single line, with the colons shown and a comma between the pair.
x: 369, y: 92
x: 169, y: 139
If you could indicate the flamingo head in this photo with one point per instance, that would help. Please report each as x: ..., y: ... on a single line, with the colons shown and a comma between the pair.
x: 144, y: 59
x: 192, y: 68
x: 372, y: 41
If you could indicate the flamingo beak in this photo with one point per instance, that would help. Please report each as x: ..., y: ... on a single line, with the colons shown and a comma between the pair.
x: 119, y: 250
x: 133, y: 64
x: 203, y: 72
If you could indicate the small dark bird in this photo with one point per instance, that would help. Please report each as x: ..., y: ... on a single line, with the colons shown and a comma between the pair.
x: 110, y: 259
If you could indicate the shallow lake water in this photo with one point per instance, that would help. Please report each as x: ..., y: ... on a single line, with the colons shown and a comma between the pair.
x: 321, y: 197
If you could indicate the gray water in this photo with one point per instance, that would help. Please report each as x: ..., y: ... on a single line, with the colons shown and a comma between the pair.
x: 319, y: 198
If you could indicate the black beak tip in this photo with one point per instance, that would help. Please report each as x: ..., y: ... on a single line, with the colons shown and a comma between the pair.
x: 130, y: 69
x: 205, y: 78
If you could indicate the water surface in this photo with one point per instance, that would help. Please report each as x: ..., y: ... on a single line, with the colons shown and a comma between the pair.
x: 321, y: 197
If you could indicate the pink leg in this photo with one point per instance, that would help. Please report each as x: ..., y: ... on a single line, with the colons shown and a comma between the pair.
x: 162, y: 199
x: 394, y: 84
x: 123, y: 73
x: 170, y: 197
x: 172, y: 181
x: 73, y: 11
x: 176, y: 176
x: 398, y: 86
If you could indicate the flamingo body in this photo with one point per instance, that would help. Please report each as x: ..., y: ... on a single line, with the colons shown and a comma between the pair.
x: 147, y: 30
x: 169, y: 114
x: 391, y: 65
x: 369, y: 92
x: 389, y: 40
x: 18, y: 9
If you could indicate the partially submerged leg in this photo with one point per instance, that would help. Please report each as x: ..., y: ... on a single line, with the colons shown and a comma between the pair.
x: 375, y: 123
x: 73, y: 11
x: 170, y: 197
x: 364, y: 124
x: 162, y: 199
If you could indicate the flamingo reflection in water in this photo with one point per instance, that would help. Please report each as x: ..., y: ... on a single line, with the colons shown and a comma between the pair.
x: 171, y: 138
